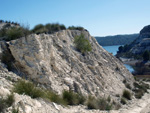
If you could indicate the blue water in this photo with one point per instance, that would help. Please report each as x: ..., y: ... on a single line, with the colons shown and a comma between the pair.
x: 129, y: 68
x: 113, y: 50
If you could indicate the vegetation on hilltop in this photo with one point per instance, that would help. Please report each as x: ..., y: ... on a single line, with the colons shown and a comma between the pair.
x: 9, y: 22
x: 76, y: 28
x: 13, y: 33
x: 116, y: 40
x: 13, y: 30
x: 48, y: 28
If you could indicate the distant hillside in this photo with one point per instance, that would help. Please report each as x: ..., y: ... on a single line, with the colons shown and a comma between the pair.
x: 116, y: 40
x: 140, y: 45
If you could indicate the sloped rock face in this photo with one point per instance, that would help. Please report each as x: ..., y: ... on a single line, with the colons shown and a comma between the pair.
x: 142, y: 43
x: 53, y: 61
x: 26, y: 104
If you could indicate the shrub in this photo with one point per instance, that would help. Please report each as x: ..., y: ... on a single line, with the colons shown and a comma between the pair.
x: 40, y: 28
x: 128, y: 86
x: 7, y: 102
x: 127, y: 94
x: 72, y: 98
x: 82, y: 44
x: 14, y: 33
x: 91, y: 103
x: 103, y: 104
x: 123, y: 100
x: 2, y: 32
x: 14, y: 110
x: 140, y: 89
x: 76, y: 28
x: 2, y: 105
x: 100, y: 103
x: 54, y: 98
x: 28, y: 88
x: 48, y: 28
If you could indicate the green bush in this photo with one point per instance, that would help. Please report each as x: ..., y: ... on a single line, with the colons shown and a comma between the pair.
x: 126, y: 94
x: 14, y: 33
x: 7, y: 102
x: 28, y: 88
x: 140, y: 89
x: 54, y: 98
x: 76, y: 28
x: 128, y: 86
x: 40, y: 28
x: 123, y: 100
x: 82, y: 44
x: 92, y: 103
x: 100, y: 103
x: 14, y: 110
x: 72, y: 98
x: 48, y: 28
x: 103, y: 104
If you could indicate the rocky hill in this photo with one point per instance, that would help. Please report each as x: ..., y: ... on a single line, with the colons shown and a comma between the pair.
x: 139, y: 45
x: 53, y: 62
x: 116, y: 40
x: 25, y: 104
x: 142, y: 43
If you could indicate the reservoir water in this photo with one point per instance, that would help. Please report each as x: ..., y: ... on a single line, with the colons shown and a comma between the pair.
x: 113, y: 50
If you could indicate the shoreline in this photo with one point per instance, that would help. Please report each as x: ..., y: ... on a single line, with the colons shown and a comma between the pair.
x: 129, y: 61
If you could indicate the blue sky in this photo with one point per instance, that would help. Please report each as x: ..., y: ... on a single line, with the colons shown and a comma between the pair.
x: 99, y: 17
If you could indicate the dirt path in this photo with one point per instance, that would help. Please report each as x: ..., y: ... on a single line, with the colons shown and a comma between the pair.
x: 137, y: 105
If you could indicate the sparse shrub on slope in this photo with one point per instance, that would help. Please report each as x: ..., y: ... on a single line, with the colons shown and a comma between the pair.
x: 72, y: 98
x: 15, y: 110
x: 82, y: 44
x: 28, y: 88
x: 140, y: 89
x: 126, y: 94
x: 53, y: 97
x: 123, y: 100
x: 7, y: 102
x: 13, y: 33
x: 100, y: 103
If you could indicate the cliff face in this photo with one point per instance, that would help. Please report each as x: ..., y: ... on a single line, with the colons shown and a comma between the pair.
x: 53, y: 61
x: 142, y: 43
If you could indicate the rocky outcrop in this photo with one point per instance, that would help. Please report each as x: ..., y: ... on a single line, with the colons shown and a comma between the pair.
x: 142, y: 43
x: 26, y: 104
x: 53, y: 61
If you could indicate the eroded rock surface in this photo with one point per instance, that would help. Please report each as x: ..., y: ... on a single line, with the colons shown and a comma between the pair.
x: 53, y: 61
x: 26, y: 104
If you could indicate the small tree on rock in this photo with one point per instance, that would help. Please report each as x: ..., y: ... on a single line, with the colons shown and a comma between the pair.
x: 82, y: 44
